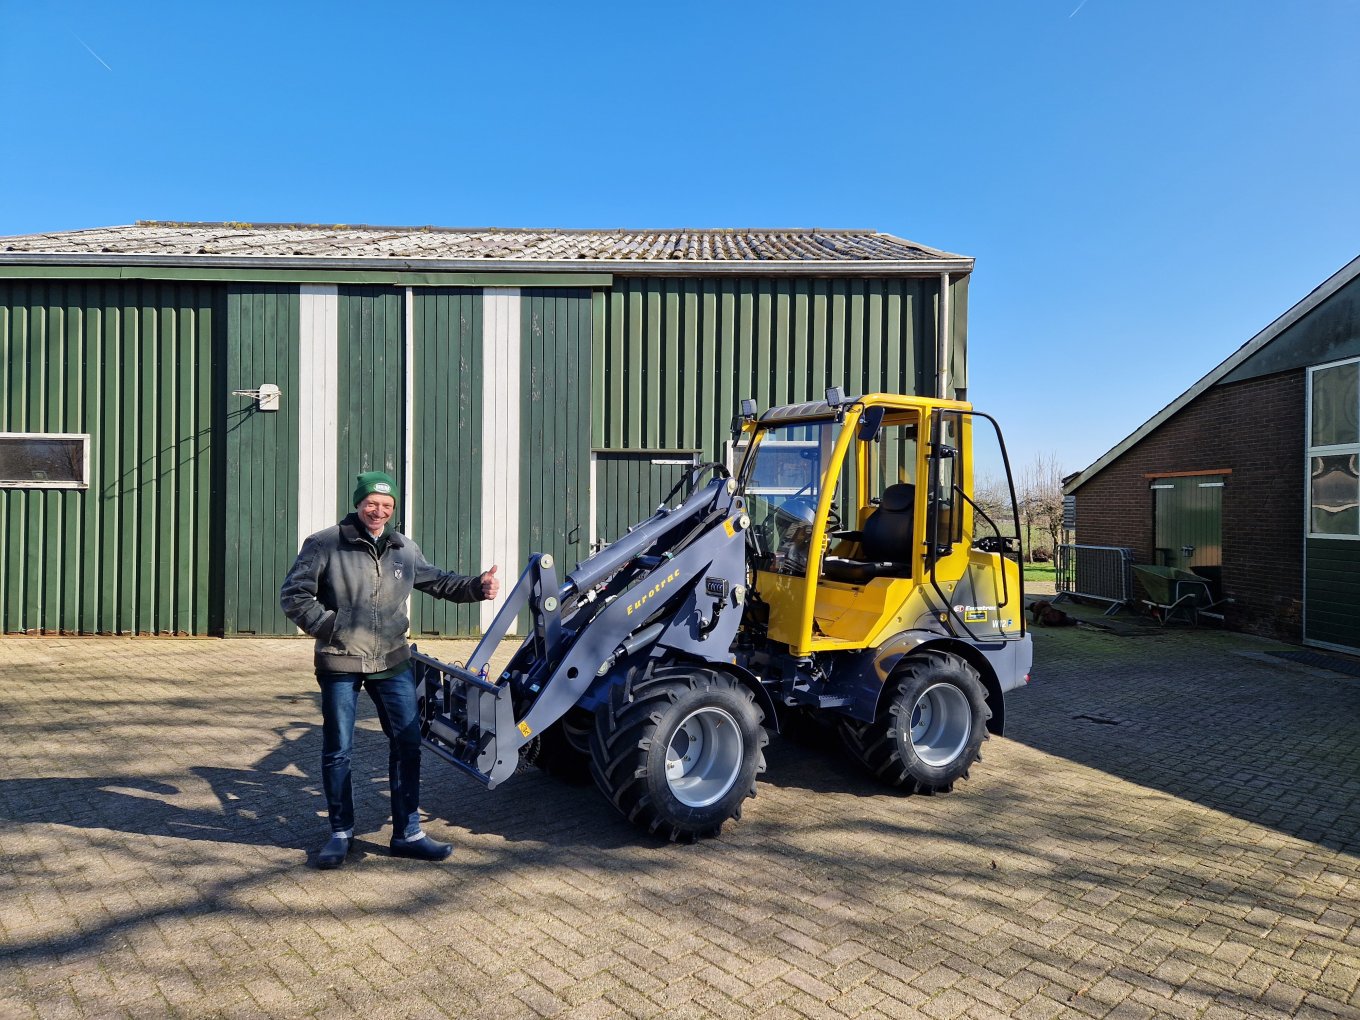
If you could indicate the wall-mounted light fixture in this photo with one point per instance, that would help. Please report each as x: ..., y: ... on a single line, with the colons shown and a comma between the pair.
x: 266, y: 397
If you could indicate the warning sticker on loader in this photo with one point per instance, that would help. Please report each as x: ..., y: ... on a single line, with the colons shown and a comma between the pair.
x: 974, y: 614
x: 524, y: 729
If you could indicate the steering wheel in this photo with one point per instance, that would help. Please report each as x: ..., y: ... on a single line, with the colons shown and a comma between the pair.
x: 803, y: 510
x: 799, y: 509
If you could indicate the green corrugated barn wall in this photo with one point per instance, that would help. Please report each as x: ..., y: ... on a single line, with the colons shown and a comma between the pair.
x: 532, y: 420
x: 130, y: 364
x: 674, y: 357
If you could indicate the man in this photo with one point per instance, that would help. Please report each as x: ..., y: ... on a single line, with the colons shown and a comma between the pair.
x: 348, y: 589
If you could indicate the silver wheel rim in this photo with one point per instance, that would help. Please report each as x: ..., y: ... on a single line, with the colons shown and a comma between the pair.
x: 703, y: 758
x: 941, y: 723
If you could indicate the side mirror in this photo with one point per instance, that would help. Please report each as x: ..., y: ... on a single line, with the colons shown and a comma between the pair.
x: 870, y: 424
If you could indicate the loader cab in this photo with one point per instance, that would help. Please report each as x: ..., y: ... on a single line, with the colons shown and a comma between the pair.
x: 863, y: 523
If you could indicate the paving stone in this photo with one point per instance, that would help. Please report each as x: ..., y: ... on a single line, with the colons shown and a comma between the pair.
x: 155, y: 831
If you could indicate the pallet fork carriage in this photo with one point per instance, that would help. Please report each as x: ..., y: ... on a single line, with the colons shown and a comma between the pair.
x: 845, y: 575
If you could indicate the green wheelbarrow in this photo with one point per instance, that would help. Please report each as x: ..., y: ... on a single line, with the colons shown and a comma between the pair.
x: 1176, y: 594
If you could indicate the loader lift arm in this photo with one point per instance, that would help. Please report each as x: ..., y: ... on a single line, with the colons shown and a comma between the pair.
x: 673, y: 585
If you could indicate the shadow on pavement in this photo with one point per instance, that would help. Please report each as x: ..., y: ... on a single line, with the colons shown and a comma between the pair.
x: 1206, y: 715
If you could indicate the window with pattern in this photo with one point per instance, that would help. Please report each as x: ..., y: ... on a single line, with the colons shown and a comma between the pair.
x: 1334, y: 450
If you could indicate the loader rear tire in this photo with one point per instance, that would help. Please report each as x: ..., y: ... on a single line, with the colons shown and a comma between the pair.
x: 929, y: 731
x: 679, y: 759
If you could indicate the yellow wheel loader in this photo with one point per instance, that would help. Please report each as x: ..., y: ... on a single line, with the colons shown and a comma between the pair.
x: 846, y: 571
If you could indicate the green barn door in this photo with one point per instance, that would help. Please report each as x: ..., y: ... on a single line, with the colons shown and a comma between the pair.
x: 261, y: 462
x: 371, y: 380
x: 630, y: 485
x: 555, y: 366
x: 1189, y: 521
x: 445, y: 518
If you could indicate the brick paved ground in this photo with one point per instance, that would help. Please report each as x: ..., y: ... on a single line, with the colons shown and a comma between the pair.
x: 1171, y: 828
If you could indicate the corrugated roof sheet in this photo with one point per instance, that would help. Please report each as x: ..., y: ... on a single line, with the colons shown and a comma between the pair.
x: 561, y: 247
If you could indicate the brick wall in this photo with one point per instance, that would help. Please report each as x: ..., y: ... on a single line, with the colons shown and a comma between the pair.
x: 1256, y: 430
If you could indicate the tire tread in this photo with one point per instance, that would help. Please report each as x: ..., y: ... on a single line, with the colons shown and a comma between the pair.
x: 623, y: 736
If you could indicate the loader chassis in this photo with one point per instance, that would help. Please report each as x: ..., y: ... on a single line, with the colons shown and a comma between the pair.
x: 844, y: 575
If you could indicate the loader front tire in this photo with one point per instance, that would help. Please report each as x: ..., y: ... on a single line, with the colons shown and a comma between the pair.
x: 679, y: 759
x: 564, y: 748
x: 930, y: 730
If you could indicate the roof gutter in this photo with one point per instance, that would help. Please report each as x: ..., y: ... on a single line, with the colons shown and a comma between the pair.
x: 630, y: 267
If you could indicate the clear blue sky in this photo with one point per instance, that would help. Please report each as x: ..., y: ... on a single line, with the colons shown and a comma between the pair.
x: 1145, y: 184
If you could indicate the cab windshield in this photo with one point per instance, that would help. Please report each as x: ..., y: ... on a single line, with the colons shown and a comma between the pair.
x: 782, y: 480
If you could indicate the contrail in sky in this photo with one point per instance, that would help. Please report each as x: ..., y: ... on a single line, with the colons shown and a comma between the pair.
x: 1072, y: 15
x: 106, y: 66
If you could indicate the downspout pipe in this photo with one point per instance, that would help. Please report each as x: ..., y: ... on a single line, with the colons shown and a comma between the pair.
x: 942, y: 358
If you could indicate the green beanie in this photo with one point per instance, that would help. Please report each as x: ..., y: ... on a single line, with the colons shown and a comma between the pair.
x: 370, y: 482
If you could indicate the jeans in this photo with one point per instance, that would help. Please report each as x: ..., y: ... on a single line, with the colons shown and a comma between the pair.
x: 395, y: 700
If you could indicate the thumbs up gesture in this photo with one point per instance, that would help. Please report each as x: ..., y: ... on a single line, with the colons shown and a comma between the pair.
x: 491, y: 584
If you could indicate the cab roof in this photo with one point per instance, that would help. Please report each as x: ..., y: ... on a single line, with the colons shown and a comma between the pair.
x: 821, y: 410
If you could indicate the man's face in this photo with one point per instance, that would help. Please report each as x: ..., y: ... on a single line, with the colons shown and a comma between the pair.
x: 375, y: 510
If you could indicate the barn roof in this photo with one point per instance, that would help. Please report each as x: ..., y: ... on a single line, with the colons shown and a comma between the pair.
x: 295, y: 245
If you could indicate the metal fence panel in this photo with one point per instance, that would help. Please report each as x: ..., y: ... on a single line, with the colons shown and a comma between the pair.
x: 1101, y: 572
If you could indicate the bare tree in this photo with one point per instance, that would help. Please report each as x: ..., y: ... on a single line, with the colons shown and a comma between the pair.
x: 1039, y: 490
x: 993, y: 498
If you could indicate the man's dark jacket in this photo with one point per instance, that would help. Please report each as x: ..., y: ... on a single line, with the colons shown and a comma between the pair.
x: 352, y: 599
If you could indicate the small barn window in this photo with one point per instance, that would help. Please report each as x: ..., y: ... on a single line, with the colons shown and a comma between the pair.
x: 1334, y: 450
x: 44, y: 460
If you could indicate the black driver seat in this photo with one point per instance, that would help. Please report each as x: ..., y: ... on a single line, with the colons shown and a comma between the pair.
x: 886, y: 540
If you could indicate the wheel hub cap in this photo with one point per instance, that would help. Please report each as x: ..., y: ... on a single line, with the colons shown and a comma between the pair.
x: 941, y: 723
x: 704, y: 757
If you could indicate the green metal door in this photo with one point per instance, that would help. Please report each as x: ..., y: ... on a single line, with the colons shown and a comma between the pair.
x: 1331, y: 591
x: 445, y: 519
x: 555, y: 368
x: 630, y: 485
x: 372, y: 387
x: 261, y: 462
x: 1189, y: 521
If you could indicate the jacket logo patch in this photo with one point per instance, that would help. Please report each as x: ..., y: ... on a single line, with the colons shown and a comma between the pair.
x: 397, y: 573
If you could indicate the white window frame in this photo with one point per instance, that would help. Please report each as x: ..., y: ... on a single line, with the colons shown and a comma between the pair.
x: 37, y: 483
x: 1322, y: 451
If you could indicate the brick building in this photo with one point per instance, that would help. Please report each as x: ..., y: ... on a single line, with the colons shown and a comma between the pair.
x: 1250, y: 476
